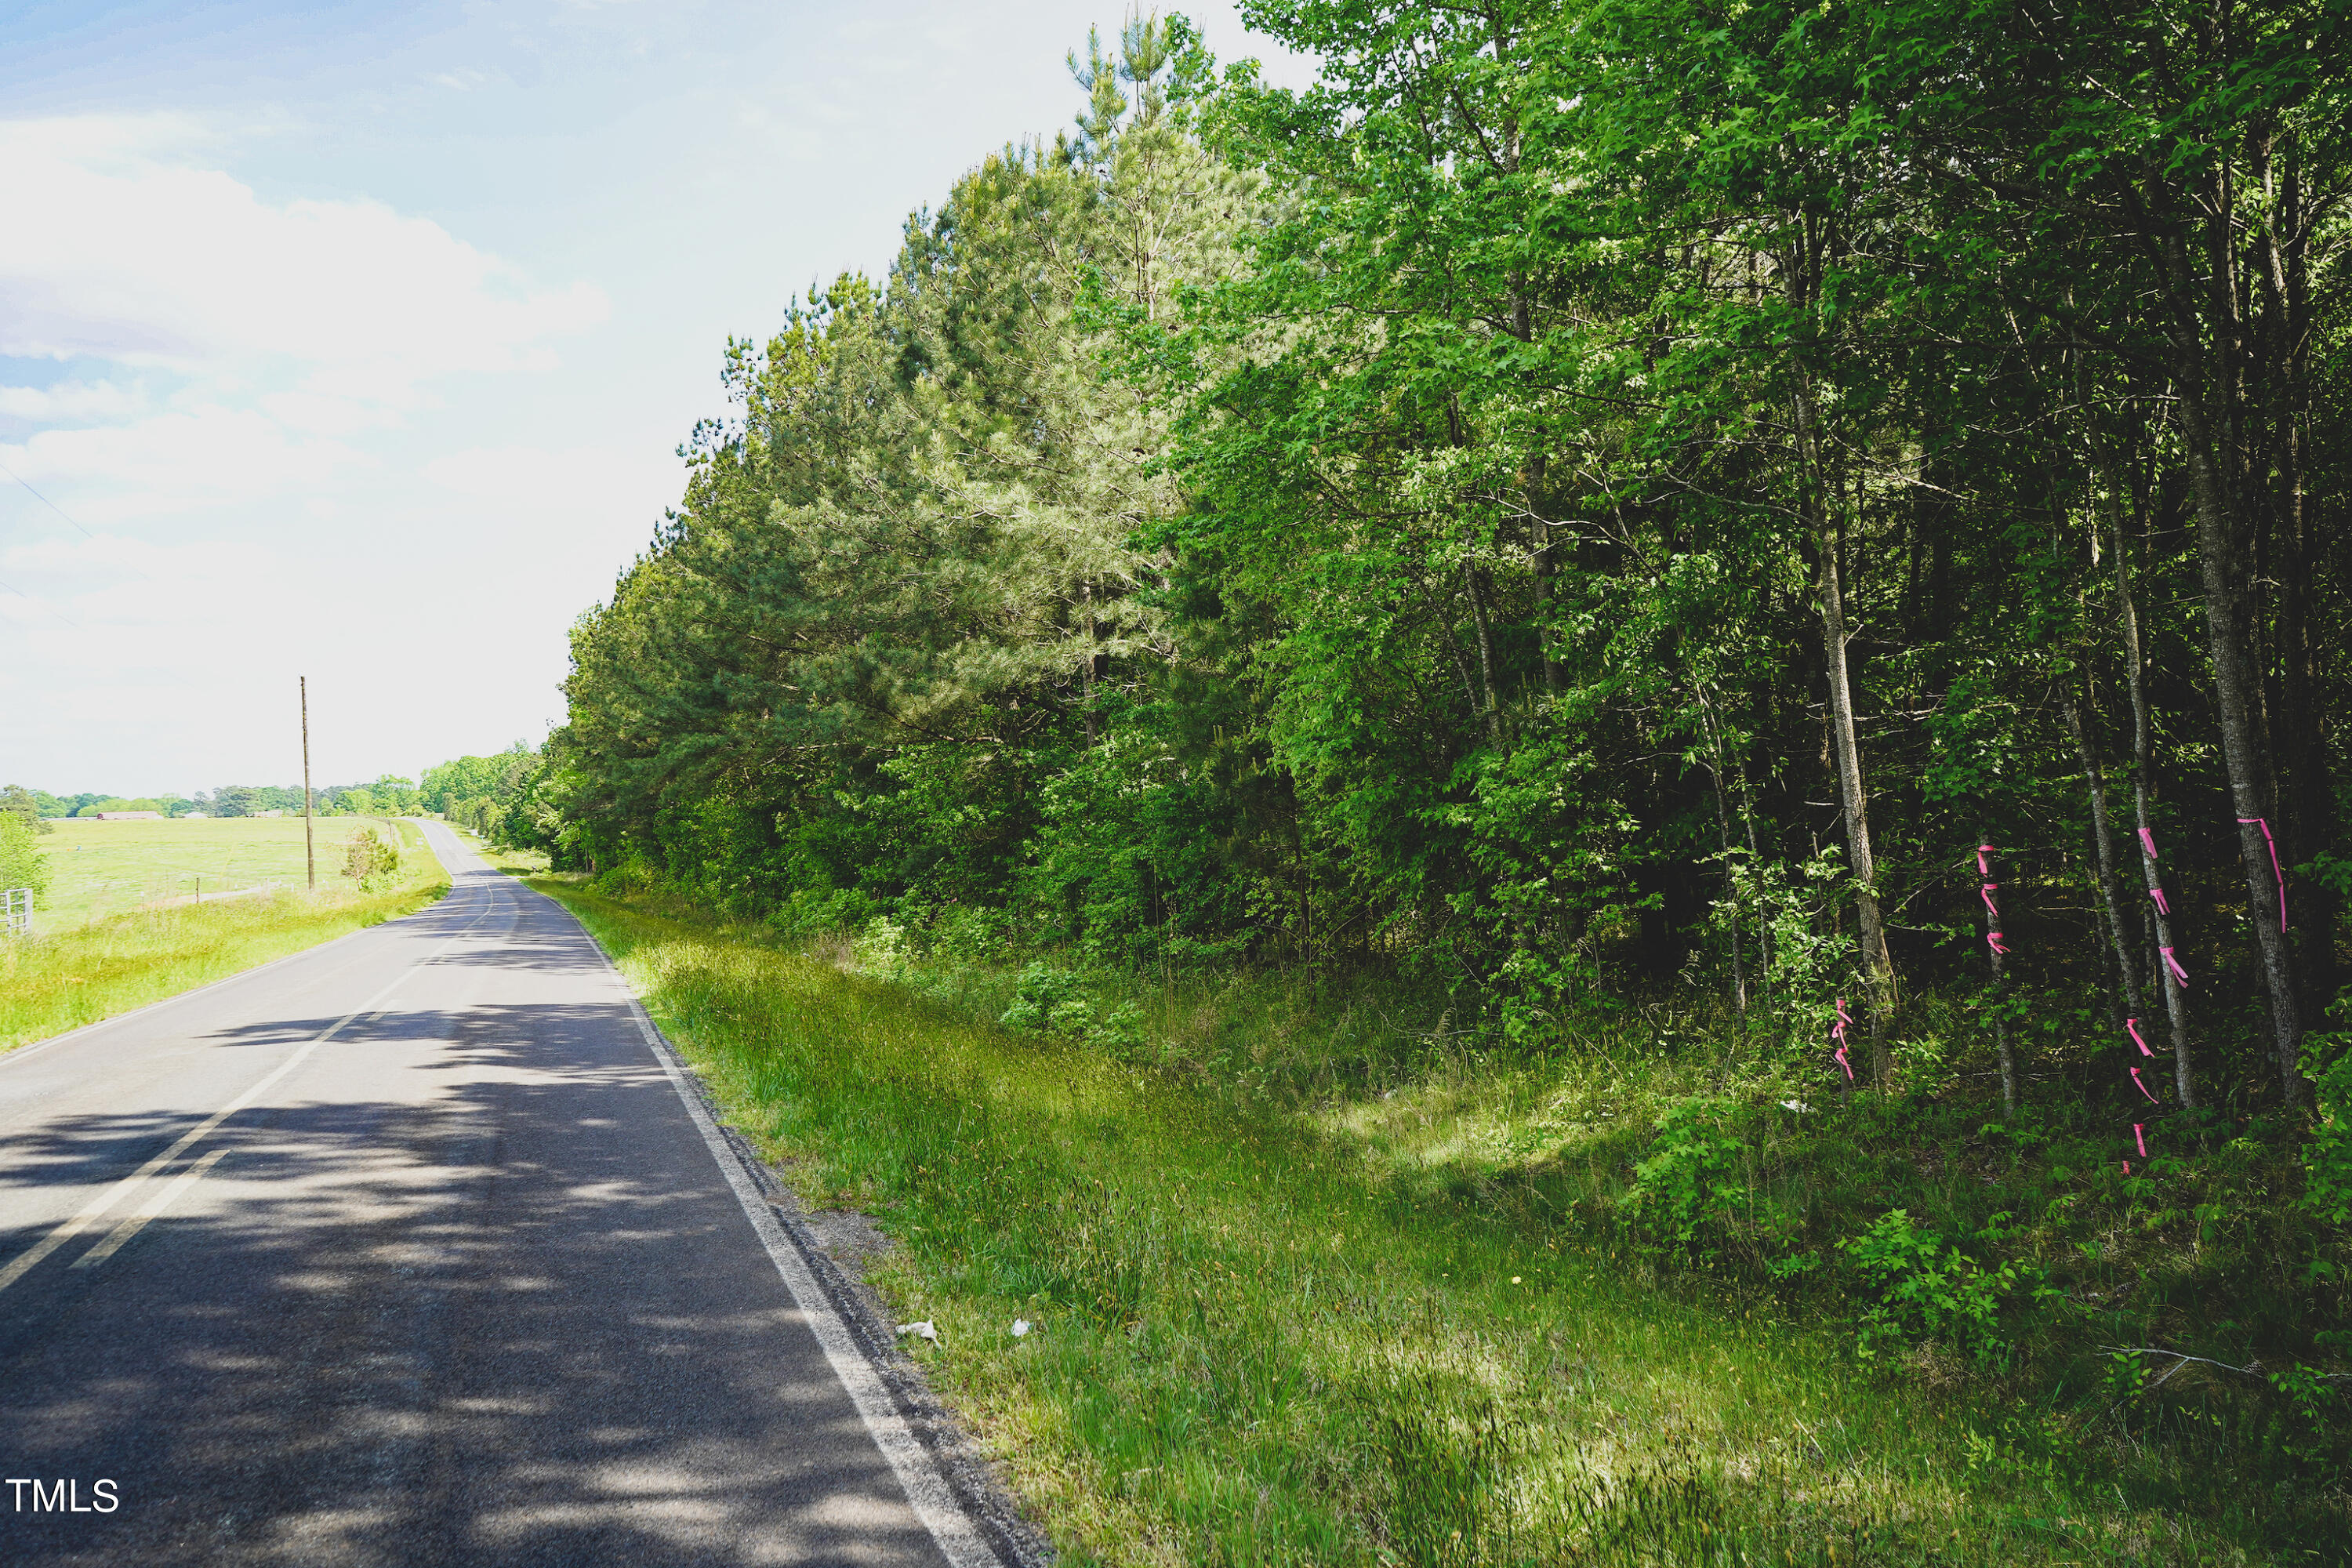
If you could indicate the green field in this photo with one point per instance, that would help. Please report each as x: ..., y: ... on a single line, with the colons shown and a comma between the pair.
x: 63, y: 977
x: 103, y: 869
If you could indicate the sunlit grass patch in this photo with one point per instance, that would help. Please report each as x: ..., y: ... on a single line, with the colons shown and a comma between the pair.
x: 99, y: 870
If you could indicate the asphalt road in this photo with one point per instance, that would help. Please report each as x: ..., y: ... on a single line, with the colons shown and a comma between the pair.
x: 414, y: 1249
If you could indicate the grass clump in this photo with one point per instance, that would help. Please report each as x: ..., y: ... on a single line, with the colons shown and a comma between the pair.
x: 1339, y: 1314
x: 54, y: 982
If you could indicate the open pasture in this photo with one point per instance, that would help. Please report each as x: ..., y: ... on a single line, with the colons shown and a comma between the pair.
x: 62, y: 977
x: 101, y: 868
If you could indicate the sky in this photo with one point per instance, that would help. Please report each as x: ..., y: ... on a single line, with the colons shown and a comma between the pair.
x: 356, y: 341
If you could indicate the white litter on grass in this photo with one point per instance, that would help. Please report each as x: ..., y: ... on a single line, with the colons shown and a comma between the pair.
x: 1794, y: 1105
x: 1019, y: 1326
x: 923, y: 1329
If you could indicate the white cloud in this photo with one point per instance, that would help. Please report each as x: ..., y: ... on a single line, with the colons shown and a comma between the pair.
x: 275, y: 334
x: 72, y: 400
x: 203, y: 456
x: 317, y: 414
x: 532, y: 483
x: 121, y: 246
x: 144, y: 607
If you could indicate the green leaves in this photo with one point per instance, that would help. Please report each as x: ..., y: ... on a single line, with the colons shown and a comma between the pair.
x: 1929, y: 1289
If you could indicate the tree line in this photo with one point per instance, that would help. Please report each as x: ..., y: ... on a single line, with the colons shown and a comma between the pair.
x: 388, y: 795
x: 1829, y: 513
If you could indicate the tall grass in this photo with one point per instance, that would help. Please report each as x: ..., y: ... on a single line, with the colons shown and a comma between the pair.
x: 1254, y: 1345
x: 51, y: 984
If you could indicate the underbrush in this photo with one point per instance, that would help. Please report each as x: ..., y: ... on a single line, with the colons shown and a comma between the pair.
x: 2192, y: 1296
x: 51, y: 984
x: 1321, y: 1277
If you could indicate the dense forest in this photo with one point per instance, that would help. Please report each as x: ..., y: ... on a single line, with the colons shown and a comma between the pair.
x: 1584, y: 500
x: 1824, y: 520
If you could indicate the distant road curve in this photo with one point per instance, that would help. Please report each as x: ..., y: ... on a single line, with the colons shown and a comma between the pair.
x: 418, y: 1249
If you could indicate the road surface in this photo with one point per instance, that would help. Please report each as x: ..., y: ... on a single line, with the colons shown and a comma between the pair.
x: 415, y: 1248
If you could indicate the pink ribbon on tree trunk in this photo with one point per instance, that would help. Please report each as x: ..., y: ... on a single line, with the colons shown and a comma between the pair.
x: 2174, y: 964
x: 2133, y: 1024
x: 2147, y: 841
x: 1837, y: 1032
x: 2143, y: 1088
x: 1983, y: 868
x: 2140, y: 1137
x: 1992, y: 910
x: 2158, y: 894
x: 2276, y: 875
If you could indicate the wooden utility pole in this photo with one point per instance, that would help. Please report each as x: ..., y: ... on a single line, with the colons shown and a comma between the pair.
x: 310, y: 850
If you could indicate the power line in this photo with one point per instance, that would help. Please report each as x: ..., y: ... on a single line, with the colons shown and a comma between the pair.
x: 86, y: 533
x: 45, y: 501
x: 45, y: 605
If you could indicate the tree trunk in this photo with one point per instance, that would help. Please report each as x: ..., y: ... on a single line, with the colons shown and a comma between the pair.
x: 2176, y: 1000
x: 1993, y: 951
x: 2307, y: 793
x: 1763, y: 916
x: 1723, y: 834
x: 1818, y: 497
x: 2221, y: 540
x: 2103, y: 849
x: 1086, y: 671
x: 1877, y: 965
x: 1470, y: 575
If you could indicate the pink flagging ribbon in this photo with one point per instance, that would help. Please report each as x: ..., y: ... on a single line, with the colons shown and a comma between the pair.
x: 2133, y: 1024
x: 2161, y: 907
x: 2126, y: 1167
x: 2276, y: 875
x: 1983, y: 869
x: 2140, y: 1137
x: 1985, y: 893
x: 1845, y: 1064
x: 2147, y: 841
x: 1837, y: 1032
x: 1992, y: 940
x: 2143, y: 1088
x: 2174, y: 964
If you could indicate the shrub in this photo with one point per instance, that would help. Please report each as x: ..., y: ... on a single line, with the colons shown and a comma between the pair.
x: 1119, y: 1034
x: 1049, y: 1000
x: 2327, y: 1157
x: 370, y: 860
x: 22, y: 864
x: 1929, y: 1289
x: 1690, y: 1181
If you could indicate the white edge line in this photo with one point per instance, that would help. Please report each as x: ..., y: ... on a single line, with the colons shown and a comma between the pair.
x: 927, y: 1489
x: 18, y: 1053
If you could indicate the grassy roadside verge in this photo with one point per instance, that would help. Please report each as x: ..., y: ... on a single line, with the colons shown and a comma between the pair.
x: 1250, y: 1350
x: 52, y: 983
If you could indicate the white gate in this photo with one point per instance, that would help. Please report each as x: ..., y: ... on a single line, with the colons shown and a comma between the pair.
x: 17, y: 905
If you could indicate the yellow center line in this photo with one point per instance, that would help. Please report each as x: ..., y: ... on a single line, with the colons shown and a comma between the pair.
x: 25, y: 1261
x: 164, y: 1199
